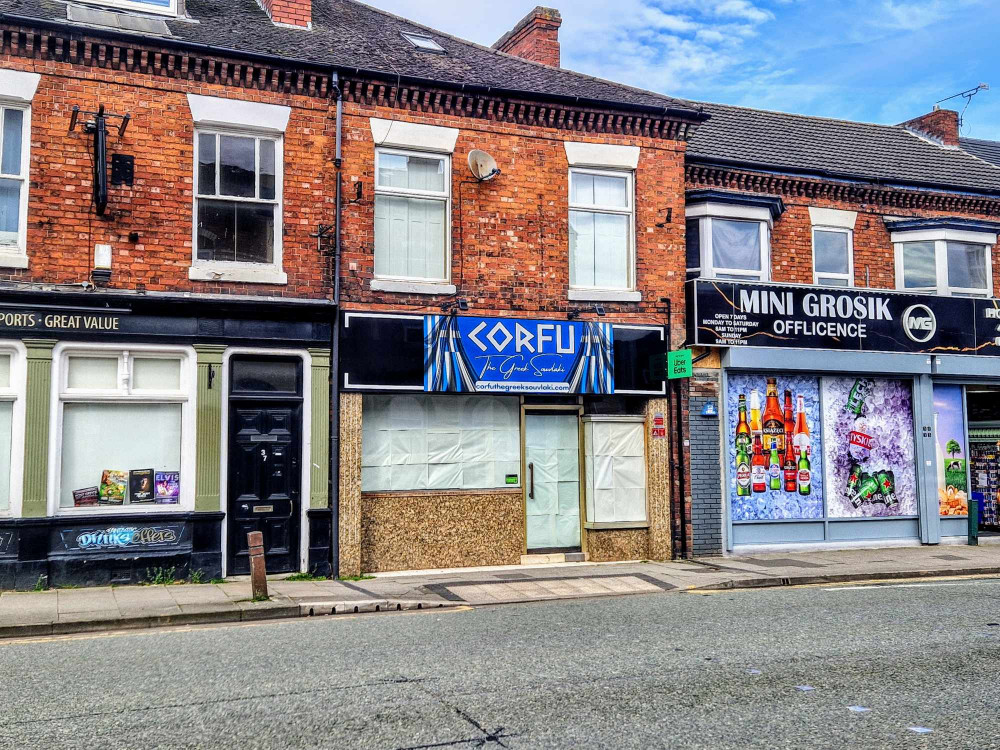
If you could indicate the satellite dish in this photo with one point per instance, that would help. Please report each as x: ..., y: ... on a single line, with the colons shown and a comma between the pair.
x: 482, y: 165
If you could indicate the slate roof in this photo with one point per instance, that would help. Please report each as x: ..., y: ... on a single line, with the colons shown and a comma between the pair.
x: 349, y: 34
x: 985, y: 150
x: 837, y: 148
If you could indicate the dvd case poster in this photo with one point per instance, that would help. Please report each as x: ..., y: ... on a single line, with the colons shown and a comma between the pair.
x: 868, y: 437
x: 140, y: 486
x: 114, y: 485
x: 86, y: 497
x: 168, y: 487
x: 774, y: 447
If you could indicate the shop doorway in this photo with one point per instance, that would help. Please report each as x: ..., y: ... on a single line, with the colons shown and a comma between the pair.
x: 552, y: 481
x: 983, y: 413
x: 265, y: 472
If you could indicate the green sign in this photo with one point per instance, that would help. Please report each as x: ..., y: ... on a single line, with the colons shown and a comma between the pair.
x: 679, y: 364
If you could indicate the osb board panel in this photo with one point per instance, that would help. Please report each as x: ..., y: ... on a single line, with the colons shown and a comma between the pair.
x: 658, y: 484
x: 350, y: 484
x: 419, y: 531
x: 608, y: 545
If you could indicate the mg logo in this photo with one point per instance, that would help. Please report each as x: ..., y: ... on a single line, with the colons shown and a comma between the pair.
x: 919, y: 323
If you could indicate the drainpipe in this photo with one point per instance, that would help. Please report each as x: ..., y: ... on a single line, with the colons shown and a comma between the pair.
x: 334, y: 492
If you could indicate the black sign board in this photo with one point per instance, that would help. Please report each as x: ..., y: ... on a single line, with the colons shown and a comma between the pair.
x: 733, y: 313
x: 127, y: 536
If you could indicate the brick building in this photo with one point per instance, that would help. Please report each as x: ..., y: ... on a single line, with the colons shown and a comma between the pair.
x: 896, y: 366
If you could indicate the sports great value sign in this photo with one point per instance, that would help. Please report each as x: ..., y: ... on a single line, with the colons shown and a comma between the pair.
x: 731, y: 313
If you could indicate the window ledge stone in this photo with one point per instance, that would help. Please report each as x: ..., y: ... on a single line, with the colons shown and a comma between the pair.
x: 246, y: 274
x: 10, y: 259
x: 604, y: 295
x: 598, y: 525
x: 412, y: 287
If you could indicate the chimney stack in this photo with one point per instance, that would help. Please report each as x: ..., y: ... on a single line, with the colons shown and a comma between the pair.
x: 297, y: 13
x: 535, y: 37
x: 938, y: 125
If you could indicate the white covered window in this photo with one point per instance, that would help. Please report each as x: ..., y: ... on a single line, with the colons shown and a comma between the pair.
x: 833, y: 264
x: 124, y: 417
x: 601, y: 223
x: 15, y: 138
x: 412, y: 215
x: 423, y: 442
x: 730, y: 241
x: 615, y: 461
x: 11, y: 424
x: 238, y: 202
x: 950, y: 263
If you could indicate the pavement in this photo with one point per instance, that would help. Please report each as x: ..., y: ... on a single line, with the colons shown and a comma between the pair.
x: 907, y: 665
x: 61, y: 611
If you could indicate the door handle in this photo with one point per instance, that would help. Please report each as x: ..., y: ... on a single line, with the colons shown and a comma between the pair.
x: 531, y: 481
x: 244, y: 507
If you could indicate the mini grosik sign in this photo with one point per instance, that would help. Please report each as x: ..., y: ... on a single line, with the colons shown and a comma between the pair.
x: 729, y: 313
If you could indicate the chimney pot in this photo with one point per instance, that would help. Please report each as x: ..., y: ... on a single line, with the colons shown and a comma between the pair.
x: 535, y: 37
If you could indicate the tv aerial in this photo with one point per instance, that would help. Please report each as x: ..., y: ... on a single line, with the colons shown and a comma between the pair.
x: 482, y: 165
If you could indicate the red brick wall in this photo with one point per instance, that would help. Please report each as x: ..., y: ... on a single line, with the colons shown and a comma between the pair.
x: 515, y: 228
x: 292, y: 12
x: 63, y: 228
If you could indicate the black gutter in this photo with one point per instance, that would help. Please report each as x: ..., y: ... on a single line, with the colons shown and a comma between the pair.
x: 667, y: 111
x: 847, y: 176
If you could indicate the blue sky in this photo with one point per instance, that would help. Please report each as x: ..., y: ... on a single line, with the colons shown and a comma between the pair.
x: 874, y: 60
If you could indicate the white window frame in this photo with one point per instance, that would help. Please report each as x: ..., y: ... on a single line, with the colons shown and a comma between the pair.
x: 15, y: 254
x: 15, y: 393
x: 170, y: 10
x: 444, y: 196
x: 941, y: 238
x: 226, y: 270
x: 62, y: 394
x: 627, y: 211
x: 849, y: 276
x: 708, y: 211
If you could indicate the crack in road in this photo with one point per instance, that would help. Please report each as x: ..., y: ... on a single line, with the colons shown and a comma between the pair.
x: 494, y: 737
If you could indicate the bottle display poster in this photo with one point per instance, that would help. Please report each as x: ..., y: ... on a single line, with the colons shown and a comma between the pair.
x: 774, y: 447
x: 868, y: 448
x: 952, y: 459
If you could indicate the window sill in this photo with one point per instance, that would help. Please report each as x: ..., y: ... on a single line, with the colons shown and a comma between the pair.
x: 598, y: 525
x: 604, y: 295
x: 412, y: 287
x: 506, y: 490
x: 10, y: 259
x: 124, y: 510
x: 245, y: 273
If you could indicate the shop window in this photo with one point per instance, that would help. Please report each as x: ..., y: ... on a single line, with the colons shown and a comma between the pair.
x: 615, y: 469
x: 238, y: 204
x: 124, y: 418
x: 833, y: 264
x: 951, y: 452
x: 412, y: 215
x: 15, y: 138
x: 421, y: 442
x: 9, y: 398
x: 601, y: 229
x: 945, y: 267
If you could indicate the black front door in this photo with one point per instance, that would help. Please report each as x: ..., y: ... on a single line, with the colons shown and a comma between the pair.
x: 265, y: 476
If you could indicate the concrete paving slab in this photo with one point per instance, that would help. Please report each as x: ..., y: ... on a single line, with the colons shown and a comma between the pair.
x: 86, y: 600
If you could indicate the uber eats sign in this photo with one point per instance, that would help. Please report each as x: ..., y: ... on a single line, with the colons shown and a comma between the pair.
x: 729, y: 313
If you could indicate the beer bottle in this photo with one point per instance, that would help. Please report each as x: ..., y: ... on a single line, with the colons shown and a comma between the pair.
x: 800, y: 433
x: 859, y: 441
x: 742, y: 472
x: 774, y: 420
x: 755, y: 428
x: 774, y: 468
x: 789, y: 468
x: 758, y: 467
x: 743, y: 428
x: 805, y: 474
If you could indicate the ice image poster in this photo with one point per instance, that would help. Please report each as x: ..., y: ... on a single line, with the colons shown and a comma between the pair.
x: 951, y: 458
x: 799, y: 494
x: 868, y: 447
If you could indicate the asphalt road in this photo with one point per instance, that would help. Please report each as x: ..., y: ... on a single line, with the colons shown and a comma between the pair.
x: 664, y: 670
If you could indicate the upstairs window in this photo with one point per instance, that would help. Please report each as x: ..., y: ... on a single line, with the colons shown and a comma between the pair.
x: 238, y: 183
x: 729, y: 234
x: 833, y: 264
x: 15, y: 137
x: 945, y: 267
x: 601, y: 229
x: 412, y: 215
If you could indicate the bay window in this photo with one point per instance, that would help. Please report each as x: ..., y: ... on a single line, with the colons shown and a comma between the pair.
x: 412, y: 215
x: 944, y: 261
x: 601, y: 229
x: 423, y: 442
x: 833, y: 264
x: 733, y: 234
x: 124, y: 417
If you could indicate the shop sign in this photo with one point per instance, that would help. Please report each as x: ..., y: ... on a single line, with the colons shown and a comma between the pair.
x: 517, y: 355
x: 125, y: 537
x: 679, y: 364
x: 726, y: 313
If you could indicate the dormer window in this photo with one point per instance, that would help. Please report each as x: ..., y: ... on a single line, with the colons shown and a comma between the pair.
x: 422, y: 42
x: 164, y: 7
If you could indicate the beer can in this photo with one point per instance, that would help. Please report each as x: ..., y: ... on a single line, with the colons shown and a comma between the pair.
x: 853, y: 479
x: 887, y: 488
x: 868, y: 489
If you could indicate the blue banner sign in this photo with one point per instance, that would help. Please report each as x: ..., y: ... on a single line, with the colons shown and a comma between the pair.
x: 517, y: 355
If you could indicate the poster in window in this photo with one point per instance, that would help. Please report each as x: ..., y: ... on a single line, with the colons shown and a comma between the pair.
x: 86, y: 497
x: 114, y: 485
x: 868, y: 436
x: 774, y: 447
x: 168, y: 487
x: 949, y: 440
x: 140, y: 486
